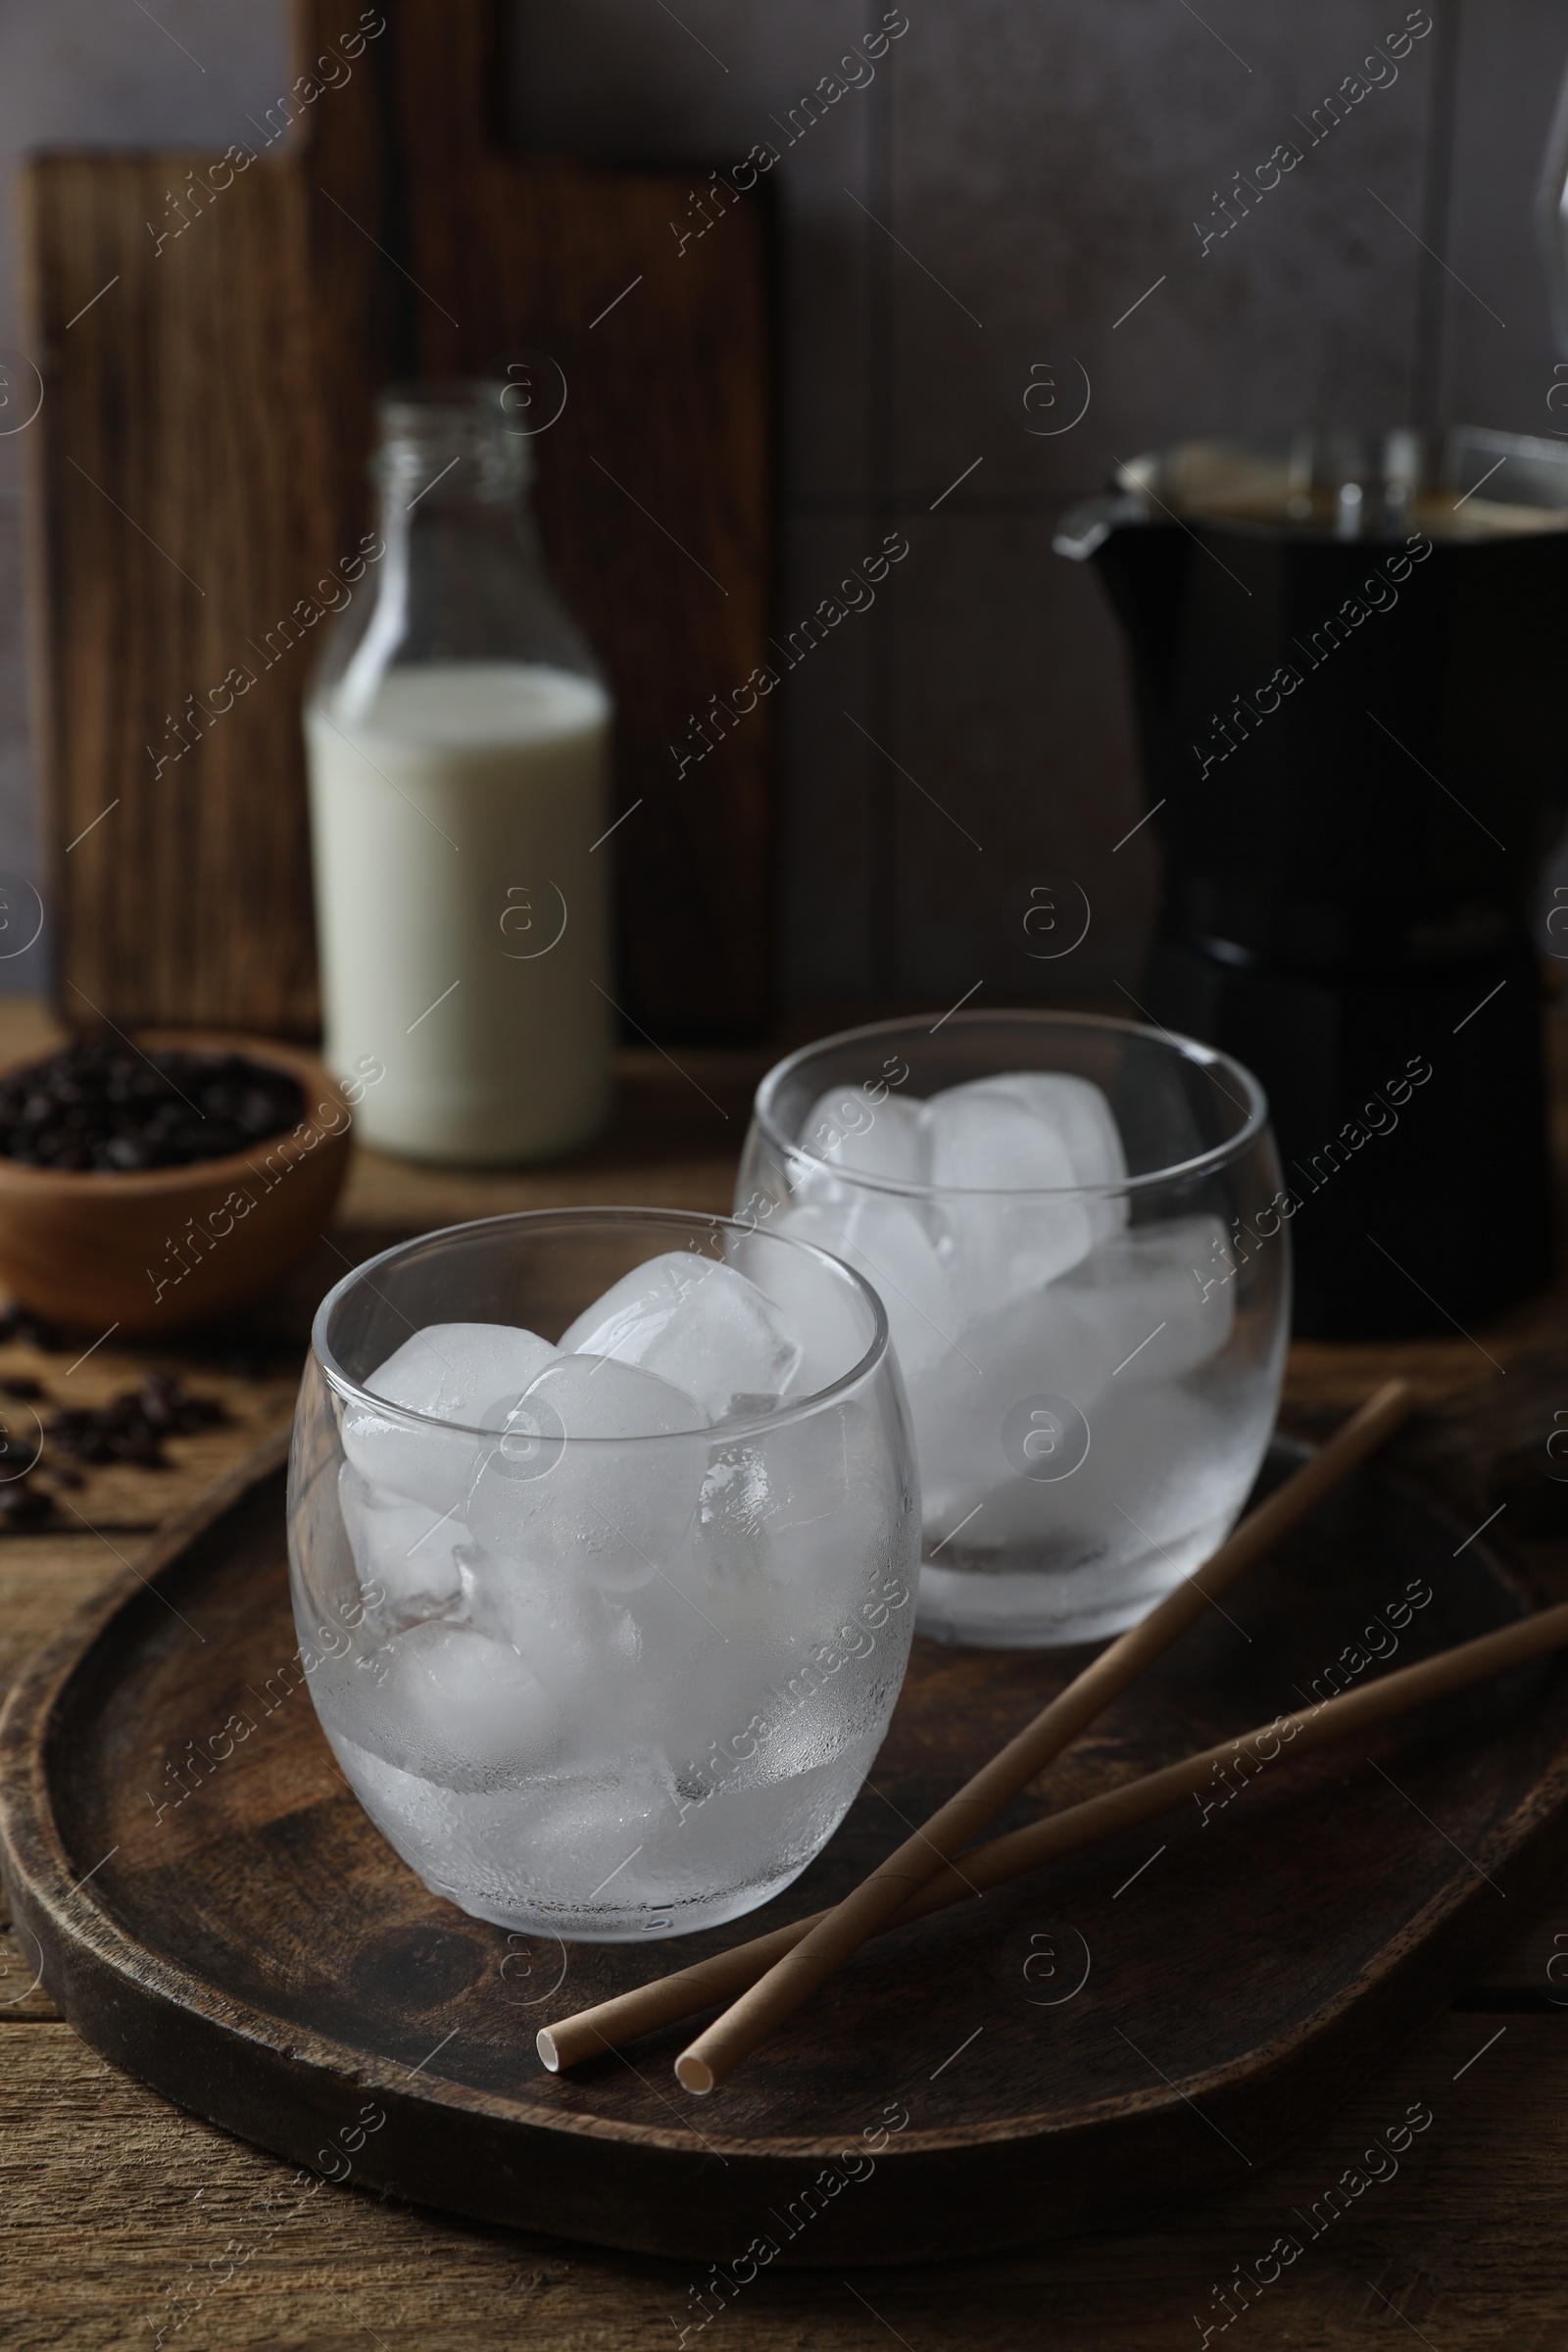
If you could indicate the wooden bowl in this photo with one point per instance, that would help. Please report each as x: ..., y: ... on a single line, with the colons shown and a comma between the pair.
x: 156, y: 1250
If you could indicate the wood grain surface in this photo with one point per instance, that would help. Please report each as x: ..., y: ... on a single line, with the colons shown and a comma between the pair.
x: 112, y: 2200
x: 200, y: 481
x: 263, y: 1956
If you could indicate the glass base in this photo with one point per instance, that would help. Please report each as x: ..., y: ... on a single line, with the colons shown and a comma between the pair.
x: 608, y: 1876
x: 1024, y: 1606
x: 648, y: 1924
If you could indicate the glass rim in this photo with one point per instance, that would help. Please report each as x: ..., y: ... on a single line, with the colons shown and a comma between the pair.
x: 354, y: 1391
x: 1207, y: 1057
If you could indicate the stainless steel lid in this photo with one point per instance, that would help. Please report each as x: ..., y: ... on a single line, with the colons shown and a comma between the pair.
x: 1467, y: 484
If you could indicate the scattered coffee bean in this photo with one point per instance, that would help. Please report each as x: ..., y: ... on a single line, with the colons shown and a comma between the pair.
x: 19, y: 1385
x: 132, y: 1427
x: 36, y: 1330
x: 20, y: 1447
x: 105, y: 1106
x: 23, y: 1504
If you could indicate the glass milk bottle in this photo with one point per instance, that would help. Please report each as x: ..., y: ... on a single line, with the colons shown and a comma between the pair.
x: 458, y: 736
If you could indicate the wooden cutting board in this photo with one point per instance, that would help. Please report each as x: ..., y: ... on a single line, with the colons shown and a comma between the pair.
x: 1149, y: 2022
x: 211, y: 332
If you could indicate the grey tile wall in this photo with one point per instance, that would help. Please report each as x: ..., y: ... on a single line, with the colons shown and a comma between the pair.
x: 627, y: 78
x: 1020, y: 731
x: 831, y: 849
x: 1511, y: 57
x: 1013, y: 177
x: 1049, y: 165
x: 982, y: 219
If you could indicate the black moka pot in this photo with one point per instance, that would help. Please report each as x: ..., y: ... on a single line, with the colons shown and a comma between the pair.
x: 1347, y: 659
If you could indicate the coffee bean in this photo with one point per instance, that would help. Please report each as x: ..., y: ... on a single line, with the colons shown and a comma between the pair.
x: 23, y: 1504
x: 132, y: 1427
x: 102, y: 1105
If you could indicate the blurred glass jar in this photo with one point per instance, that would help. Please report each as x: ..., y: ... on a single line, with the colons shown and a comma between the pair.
x: 612, y: 1688
x: 1094, y: 1367
x: 458, y: 742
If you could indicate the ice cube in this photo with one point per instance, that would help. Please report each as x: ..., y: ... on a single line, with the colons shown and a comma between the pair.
x: 948, y: 1409
x: 884, y: 1237
x: 401, y: 1549
x: 881, y: 1139
x: 1145, y: 1477
x: 987, y: 1144
x: 1132, y: 1312
x: 788, y: 1513
x: 448, y: 1372
x: 582, y: 1643
x: 699, y: 1324
x: 1157, y: 1300
x: 590, y: 1832
x: 553, y: 1494
x: 819, y: 1307
x: 1073, y: 1108
x: 693, y: 1636
x: 774, y: 1512
x: 594, y: 1396
x: 982, y: 1137
x: 455, y: 1706
x: 1046, y: 1341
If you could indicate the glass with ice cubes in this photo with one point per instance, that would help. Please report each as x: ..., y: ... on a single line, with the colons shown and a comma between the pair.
x: 619, y: 1509
x: 1078, y: 1231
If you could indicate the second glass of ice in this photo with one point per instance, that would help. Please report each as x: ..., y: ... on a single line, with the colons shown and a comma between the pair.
x: 1079, y: 1232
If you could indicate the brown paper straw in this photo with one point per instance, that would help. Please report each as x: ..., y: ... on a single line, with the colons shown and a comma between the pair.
x: 1139, y: 1800
x: 891, y: 1888
x: 1078, y: 1826
x: 797, y: 1973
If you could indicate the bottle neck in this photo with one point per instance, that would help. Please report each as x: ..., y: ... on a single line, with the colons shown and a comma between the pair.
x: 463, y: 578
x: 450, y: 475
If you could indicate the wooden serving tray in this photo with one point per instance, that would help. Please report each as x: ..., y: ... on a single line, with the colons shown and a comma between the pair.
x: 1149, y: 2021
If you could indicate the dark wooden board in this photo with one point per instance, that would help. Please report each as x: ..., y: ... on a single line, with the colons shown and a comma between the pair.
x: 199, y: 466
x: 261, y: 1956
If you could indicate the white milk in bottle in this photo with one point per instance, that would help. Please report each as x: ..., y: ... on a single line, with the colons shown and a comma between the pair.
x: 457, y: 744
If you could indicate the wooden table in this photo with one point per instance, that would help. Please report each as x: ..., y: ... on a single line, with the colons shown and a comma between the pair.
x: 110, y: 2196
